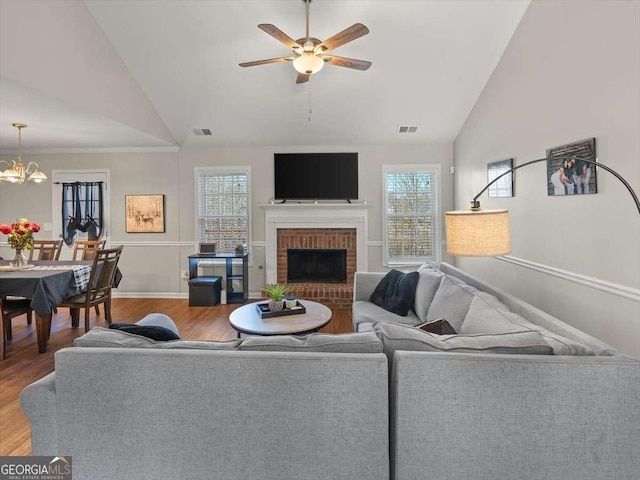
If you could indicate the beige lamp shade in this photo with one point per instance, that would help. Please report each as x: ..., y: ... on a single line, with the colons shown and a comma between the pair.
x: 482, y: 233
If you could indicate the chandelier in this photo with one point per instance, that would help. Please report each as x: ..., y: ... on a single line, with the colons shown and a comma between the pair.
x: 16, y: 171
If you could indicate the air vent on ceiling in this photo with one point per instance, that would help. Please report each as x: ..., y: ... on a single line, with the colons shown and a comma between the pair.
x: 407, y: 128
x: 202, y: 131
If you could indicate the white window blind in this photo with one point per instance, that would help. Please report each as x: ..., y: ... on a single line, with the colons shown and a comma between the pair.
x: 410, y: 214
x: 503, y: 187
x: 223, y: 215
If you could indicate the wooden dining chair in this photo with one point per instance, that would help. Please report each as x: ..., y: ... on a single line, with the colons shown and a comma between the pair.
x: 9, y: 309
x: 86, y: 249
x: 103, y: 270
x: 46, y: 250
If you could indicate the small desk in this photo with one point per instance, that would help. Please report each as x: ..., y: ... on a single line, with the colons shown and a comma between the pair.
x: 247, y: 319
x: 231, y: 260
x: 48, y: 284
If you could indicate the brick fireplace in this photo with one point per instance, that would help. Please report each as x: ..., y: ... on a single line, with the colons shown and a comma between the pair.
x: 334, y: 295
x: 317, y: 226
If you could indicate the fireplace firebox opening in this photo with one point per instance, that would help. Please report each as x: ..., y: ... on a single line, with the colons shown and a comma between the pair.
x: 316, y: 265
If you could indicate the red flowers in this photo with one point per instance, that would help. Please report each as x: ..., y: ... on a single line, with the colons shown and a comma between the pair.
x: 20, y: 233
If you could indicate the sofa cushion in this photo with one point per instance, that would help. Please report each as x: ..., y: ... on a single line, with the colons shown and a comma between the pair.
x: 396, y: 292
x: 482, y: 318
x: 429, y: 265
x: 365, y: 342
x: 398, y: 337
x: 365, y: 327
x: 153, y: 332
x: 104, y: 337
x: 367, y: 312
x: 428, y: 282
x: 452, y: 301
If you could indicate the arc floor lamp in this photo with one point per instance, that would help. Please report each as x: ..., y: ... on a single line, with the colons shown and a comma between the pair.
x: 485, y: 233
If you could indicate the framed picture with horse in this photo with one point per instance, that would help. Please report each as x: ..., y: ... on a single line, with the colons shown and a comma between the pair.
x: 144, y: 213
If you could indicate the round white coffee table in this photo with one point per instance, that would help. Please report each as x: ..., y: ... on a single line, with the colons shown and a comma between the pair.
x: 247, y: 319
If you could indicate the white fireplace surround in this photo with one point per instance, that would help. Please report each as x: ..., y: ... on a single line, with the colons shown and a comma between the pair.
x: 309, y: 215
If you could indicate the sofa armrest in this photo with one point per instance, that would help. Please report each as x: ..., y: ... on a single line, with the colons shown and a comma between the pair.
x: 38, y: 401
x: 514, y: 416
x: 364, y: 283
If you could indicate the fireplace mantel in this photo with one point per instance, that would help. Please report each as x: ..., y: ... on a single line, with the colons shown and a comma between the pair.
x: 312, y: 215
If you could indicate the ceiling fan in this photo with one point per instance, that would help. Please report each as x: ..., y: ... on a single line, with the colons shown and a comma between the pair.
x: 310, y: 54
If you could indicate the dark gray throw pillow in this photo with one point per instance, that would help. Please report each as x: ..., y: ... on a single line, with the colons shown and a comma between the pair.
x: 396, y: 292
x: 150, y: 331
x: 439, y: 327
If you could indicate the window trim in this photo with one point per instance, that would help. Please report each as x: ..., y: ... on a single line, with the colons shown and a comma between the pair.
x: 434, y: 169
x: 197, y: 172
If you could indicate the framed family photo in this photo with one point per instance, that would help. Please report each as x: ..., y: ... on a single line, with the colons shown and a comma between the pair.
x: 144, y: 213
x: 567, y: 171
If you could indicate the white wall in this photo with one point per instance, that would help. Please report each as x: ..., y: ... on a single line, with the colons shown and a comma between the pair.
x: 571, y: 72
x: 152, y: 263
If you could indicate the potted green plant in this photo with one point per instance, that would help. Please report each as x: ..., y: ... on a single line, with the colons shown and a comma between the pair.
x: 276, y: 292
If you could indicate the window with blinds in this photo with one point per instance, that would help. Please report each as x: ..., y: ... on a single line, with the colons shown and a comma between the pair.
x: 223, y: 213
x: 410, y: 214
x: 504, y: 186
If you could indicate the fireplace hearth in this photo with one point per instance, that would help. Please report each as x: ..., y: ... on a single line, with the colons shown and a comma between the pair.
x: 316, y: 265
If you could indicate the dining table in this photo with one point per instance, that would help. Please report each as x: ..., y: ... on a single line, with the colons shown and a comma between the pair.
x: 47, y: 283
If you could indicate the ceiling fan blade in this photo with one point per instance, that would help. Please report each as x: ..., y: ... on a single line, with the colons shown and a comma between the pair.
x: 279, y: 35
x: 303, y: 78
x: 346, y: 62
x: 265, y: 62
x: 356, y: 30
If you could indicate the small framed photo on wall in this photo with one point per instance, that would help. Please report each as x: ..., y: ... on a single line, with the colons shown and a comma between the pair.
x: 144, y: 213
x: 567, y: 171
x: 504, y: 186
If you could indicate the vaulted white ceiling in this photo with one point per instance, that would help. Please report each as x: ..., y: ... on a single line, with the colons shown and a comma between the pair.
x: 129, y: 74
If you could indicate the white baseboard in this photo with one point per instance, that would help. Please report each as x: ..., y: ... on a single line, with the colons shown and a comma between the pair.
x: 117, y: 294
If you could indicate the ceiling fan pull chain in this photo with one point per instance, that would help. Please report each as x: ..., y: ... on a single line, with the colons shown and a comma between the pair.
x: 309, y: 98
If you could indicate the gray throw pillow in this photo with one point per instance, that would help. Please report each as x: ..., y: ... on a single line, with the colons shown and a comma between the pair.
x: 429, y: 265
x: 104, y: 337
x: 398, y: 337
x: 483, y: 317
x: 451, y: 301
x: 428, y: 283
x: 364, y: 342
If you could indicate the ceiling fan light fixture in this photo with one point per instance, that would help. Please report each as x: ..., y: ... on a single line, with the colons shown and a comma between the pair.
x: 308, y: 63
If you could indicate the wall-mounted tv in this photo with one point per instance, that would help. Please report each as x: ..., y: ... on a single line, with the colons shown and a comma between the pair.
x: 316, y: 176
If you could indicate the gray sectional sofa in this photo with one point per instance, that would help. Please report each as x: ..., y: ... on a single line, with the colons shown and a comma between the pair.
x: 478, y: 409
x: 126, y: 407
x: 385, y: 402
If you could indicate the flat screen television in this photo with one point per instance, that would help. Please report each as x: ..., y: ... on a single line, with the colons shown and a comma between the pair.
x: 316, y: 176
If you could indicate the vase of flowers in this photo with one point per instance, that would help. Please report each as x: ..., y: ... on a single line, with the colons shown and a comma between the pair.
x: 276, y: 292
x: 20, y: 237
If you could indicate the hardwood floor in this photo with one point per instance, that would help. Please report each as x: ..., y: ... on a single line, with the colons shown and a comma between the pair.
x: 24, y: 364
